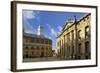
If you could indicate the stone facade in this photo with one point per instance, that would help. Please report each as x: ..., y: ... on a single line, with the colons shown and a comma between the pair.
x: 74, y: 40
x: 36, y: 46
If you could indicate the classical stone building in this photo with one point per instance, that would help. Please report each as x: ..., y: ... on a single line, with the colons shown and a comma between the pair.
x: 36, y: 45
x: 74, y: 40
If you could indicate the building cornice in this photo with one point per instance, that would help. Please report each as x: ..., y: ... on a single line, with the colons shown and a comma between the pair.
x: 85, y: 16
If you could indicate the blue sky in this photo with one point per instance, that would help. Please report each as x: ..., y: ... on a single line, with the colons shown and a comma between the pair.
x: 51, y: 21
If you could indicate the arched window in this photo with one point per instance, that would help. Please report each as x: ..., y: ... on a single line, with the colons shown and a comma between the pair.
x: 42, y: 41
x: 32, y: 53
x: 32, y: 40
x: 26, y: 47
x: 87, y: 33
x: 42, y: 48
x: 32, y: 47
x: 37, y: 48
x: 79, y: 34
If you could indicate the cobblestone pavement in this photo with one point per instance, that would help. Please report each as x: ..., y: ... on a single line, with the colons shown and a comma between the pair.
x: 54, y: 58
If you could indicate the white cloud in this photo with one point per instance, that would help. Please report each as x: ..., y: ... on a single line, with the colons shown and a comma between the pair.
x: 48, y: 26
x: 28, y: 28
x: 48, y: 36
x: 59, y: 28
x: 29, y: 14
x: 29, y: 31
x: 53, y: 32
